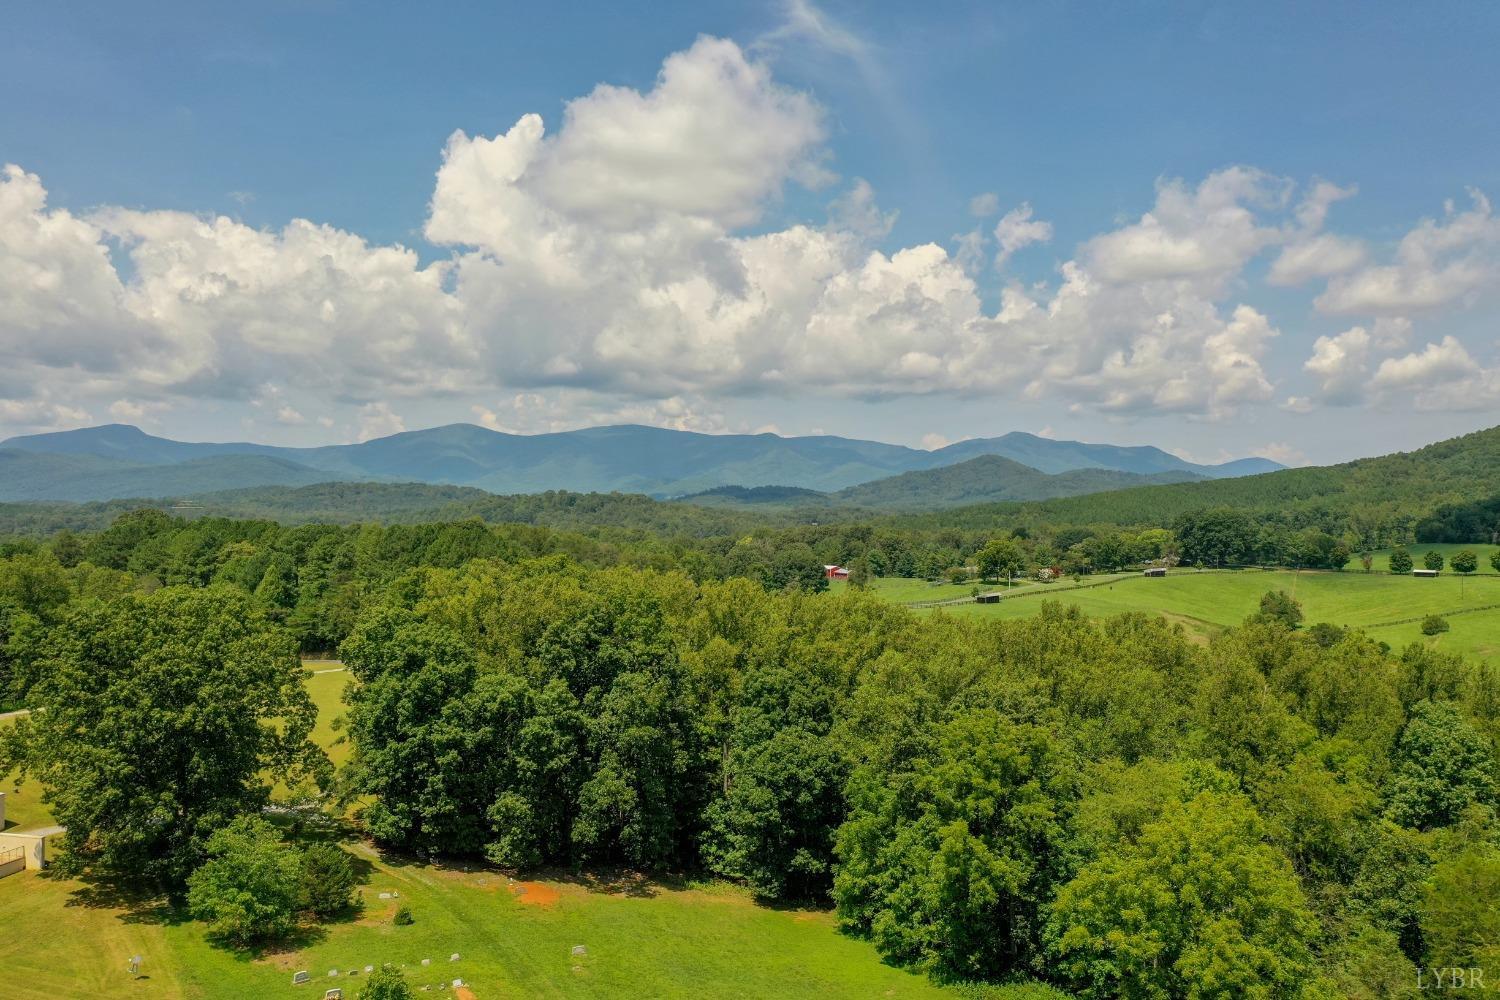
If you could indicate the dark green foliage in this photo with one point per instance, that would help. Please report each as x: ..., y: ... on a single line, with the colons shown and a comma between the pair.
x: 581, y: 748
x: 949, y: 861
x: 1443, y: 767
x: 774, y: 827
x: 1216, y: 536
x: 1434, y: 625
x: 1460, y: 921
x: 991, y: 479
x: 1465, y: 561
x: 1000, y: 559
x: 1433, y: 560
x: 1400, y: 561
x: 1474, y: 521
x: 327, y: 880
x: 161, y: 719
x: 250, y: 887
x: 403, y: 917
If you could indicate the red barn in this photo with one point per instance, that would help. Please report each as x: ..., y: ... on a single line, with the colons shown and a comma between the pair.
x: 836, y: 572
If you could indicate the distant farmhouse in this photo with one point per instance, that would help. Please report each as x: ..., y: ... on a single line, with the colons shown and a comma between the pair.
x: 836, y: 572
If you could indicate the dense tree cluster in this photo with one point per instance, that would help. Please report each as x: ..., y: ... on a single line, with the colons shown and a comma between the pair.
x: 1102, y: 804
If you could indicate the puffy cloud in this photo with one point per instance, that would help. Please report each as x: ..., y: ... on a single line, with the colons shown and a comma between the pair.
x: 1281, y: 451
x: 1016, y: 230
x: 1207, y: 233
x: 1310, y: 253
x: 379, y: 420
x: 1320, y: 256
x: 1342, y: 365
x: 703, y: 151
x: 1437, y: 263
x: 1441, y: 376
x: 41, y: 415
x: 138, y: 410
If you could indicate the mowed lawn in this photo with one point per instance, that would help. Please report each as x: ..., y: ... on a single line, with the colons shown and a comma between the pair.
x: 642, y: 938
x: 1382, y: 560
x: 1208, y: 602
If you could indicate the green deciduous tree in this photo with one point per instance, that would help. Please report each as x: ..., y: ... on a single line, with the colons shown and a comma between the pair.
x: 1400, y: 561
x: 162, y: 718
x: 1442, y: 768
x: 1278, y: 607
x: 949, y: 863
x: 1200, y: 906
x: 1460, y: 918
x: 250, y: 887
x: 774, y: 828
x: 1465, y: 561
x: 1433, y: 559
x: 1001, y: 558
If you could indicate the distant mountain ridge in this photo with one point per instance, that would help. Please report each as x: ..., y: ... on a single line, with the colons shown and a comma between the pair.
x: 994, y: 479
x: 623, y: 458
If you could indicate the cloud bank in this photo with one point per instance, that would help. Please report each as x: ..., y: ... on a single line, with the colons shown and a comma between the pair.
x: 620, y: 262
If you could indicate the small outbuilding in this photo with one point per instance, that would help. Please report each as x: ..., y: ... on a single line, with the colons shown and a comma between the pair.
x: 1425, y: 572
x: 991, y: 598
x: 835, y: 572
x: 1155, y: 571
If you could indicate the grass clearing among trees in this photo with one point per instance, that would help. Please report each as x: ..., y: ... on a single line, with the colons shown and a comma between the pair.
x: 704, y: 940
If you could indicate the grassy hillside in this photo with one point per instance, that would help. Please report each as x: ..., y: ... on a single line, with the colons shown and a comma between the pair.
x: 1389, y: 608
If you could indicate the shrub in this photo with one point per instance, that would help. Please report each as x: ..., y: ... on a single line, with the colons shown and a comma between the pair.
x: 1434, y: 624
x: 403, y: 917
x: 1277, y: 606
x: 1400, y: 560
x: 249, y: 887
x: 327, y: 880
x: 1433, y: 560
x: 386, y: 983
x: 1465, y: 561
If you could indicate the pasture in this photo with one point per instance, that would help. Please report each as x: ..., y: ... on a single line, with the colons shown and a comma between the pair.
x: 1388, y: 607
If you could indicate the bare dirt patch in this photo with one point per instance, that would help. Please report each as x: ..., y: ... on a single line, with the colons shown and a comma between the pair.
x: 535, y: 893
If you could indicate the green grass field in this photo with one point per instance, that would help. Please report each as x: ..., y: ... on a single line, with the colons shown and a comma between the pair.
x: 643, y: 938
x: 1206, y: 603
x: 1382, y: 558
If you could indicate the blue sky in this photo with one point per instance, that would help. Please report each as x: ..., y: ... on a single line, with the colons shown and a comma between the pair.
x: 750, y: 302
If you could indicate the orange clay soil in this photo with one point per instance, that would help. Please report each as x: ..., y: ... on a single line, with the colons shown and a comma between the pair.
x: 535, y: 893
